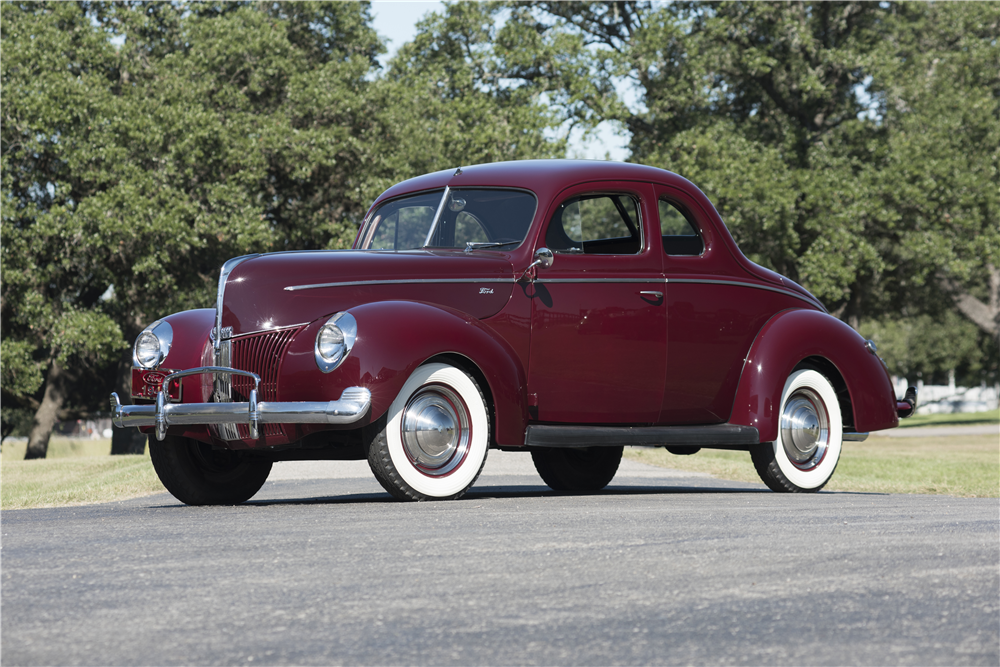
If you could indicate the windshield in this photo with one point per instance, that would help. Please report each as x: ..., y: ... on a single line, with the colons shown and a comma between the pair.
x: 466, y: 218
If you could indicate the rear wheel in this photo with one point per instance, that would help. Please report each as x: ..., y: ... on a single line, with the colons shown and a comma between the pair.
x: 577, y: 469
x: 810, y: 436
x: 432, y: 442
x: 198, y: 474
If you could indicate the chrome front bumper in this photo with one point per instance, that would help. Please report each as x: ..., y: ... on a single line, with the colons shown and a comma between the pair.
x: 353, y: 404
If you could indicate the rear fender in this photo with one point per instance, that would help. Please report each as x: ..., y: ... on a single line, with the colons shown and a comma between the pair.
x: 793, y: 337
x: 394, y: 338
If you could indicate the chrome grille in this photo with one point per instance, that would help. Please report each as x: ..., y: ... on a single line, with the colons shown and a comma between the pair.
x: 259, y: 353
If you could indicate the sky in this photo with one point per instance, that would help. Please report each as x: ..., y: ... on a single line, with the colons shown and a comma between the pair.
x: 397, y: 21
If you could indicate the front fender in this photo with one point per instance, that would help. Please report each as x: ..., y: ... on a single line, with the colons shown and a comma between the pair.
x: 793, y: 336
x: 394, y: 338
x: 191, y: 330
x: 190, y: 347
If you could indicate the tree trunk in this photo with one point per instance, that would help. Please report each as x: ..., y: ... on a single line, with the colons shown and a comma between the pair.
x: 985, y: 316
x: 126, y: 440
x: 47, y: 414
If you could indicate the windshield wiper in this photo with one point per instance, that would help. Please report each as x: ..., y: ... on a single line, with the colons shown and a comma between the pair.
x: 470, y: 246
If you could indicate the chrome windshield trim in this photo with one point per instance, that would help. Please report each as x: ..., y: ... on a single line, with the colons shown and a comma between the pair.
x: 740, y: 283
x: 227, y: 268
x: 437, y: 216
x: 403, y: 281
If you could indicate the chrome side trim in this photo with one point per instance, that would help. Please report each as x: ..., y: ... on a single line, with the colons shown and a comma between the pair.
x: 227, y: 268
x: 740, y: 283
x: 601, y: 280
x: 855, y: 437
x: 410, y: 281
x: 353, y: 404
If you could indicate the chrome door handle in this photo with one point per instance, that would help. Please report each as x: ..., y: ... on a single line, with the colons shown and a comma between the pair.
x: 654, y: 294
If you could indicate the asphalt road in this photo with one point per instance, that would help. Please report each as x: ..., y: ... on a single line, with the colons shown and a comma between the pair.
x: 661, y: 568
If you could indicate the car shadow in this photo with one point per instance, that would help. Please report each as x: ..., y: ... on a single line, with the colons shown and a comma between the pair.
x: 514, y: 492
x: 507, y: 492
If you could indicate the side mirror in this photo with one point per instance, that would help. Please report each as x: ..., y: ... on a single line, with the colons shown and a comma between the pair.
x: 543, y: 259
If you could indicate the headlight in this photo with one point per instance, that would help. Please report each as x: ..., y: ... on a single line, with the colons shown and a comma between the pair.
x: 334, y: 341
x: 330, y: 343
x: 153, y: 345
x: 147, y: 349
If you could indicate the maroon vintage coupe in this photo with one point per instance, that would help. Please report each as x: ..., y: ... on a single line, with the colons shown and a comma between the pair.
x: 562, y: 308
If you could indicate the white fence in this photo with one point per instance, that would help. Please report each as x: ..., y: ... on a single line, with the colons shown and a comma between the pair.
x: 938, y: 398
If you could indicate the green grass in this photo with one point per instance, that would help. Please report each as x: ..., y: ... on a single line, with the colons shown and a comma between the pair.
x: 76, y: 472
x: 81, y: 471
x: 59, y: 448
x: 955, y: 419
x: 964, y: 466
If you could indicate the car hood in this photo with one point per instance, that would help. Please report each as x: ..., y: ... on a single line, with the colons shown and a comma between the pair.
x: 281, y: 290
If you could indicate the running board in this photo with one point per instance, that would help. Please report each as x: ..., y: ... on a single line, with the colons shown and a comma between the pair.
x: 729, y: 435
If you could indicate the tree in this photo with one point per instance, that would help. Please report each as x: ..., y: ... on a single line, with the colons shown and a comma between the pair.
x: 131, y: 173
x: 449, y: 88
x: 851, y: 146
x: 52, y: 278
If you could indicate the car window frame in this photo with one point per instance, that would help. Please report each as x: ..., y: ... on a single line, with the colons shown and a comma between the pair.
x: 599, y: 189
x: 698, y: 218
x: 686, y: 213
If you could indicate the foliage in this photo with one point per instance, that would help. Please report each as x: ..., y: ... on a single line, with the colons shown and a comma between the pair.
x: 854, y: 147
x: 925, y: 347
x: 447, y: 86
x: 131, y: 173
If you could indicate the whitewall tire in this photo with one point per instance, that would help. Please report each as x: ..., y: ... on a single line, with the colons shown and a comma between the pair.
x: 810, y: 436
x: 432, y: 442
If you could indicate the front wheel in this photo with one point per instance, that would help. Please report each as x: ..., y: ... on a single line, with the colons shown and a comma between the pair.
x: 198, y: 474
x: 577, y: 469
x: 432, y: 443
x: 810, y: 436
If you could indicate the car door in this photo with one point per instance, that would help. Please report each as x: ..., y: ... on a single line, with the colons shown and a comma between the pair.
x: 598, y: 320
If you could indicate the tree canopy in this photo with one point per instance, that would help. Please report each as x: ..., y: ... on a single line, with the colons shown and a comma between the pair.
x: 854, y: 147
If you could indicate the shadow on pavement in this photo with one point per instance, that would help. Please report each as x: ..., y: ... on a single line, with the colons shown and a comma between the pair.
x: 503, y: 491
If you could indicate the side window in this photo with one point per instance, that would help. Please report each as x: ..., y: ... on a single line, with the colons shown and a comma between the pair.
x: 680, y: 237
x: 596, y: 225
x: 405, y: 227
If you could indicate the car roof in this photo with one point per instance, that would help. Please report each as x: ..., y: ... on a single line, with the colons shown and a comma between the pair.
x: 544, y: 177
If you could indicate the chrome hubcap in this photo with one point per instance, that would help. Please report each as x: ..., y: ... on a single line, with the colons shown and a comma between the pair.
x: 435, y: 430
x: 805, y: 430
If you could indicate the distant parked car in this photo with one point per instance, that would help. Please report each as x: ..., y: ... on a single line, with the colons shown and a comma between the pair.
x: 561, y: 308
